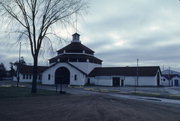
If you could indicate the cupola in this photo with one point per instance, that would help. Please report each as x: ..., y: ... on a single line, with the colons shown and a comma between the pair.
x: 76, y: 37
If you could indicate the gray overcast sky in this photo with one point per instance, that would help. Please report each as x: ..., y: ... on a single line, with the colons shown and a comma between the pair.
x: 120, y: 31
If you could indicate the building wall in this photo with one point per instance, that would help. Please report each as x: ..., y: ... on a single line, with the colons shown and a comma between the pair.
x: 25, y: 78
x: 142, y: 81
x: 101, y: 80
x: 14, y: 78
x: 81, y: 78
x: 166, y: 82
x: 128, y: 80
x: 85, y: 66
x: 174, y: 81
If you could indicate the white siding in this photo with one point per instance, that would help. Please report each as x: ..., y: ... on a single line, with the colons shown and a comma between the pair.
x: 166, y: 82
x: 102, y: 80
x: 81, y: 78
x: 128, y: 80
x: 174, y: 79
x: 24, y: 78
x: 87, y: 67
x: 14, y: 78
x: 142, y: 81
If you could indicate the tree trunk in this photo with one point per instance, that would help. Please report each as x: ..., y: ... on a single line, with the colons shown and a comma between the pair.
x: 34, y: 81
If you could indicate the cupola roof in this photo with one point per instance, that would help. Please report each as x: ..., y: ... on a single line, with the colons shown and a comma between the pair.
x: 76, y: 47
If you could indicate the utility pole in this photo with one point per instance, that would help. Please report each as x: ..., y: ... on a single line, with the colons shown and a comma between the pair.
x: 18, y: 67
x: 169, y: 77
x: 137, y: 77
x: 137, y: 72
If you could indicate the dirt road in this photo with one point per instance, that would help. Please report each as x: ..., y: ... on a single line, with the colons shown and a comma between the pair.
x: 84, y: 108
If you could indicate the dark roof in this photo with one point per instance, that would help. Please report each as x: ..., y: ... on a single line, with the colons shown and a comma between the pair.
x: 27, y: 69
x: 170, y: 76
x: 75, y: 47
x: 75, y: 56
x: 125, y: 71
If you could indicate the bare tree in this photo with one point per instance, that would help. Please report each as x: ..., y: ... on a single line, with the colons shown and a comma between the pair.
x: 34, y: 19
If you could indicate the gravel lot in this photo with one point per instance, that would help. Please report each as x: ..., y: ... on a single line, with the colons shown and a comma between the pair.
x: 84, y: 108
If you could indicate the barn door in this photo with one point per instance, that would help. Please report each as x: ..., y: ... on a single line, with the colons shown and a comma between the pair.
x: 62, y: 76
x: 116, y: 81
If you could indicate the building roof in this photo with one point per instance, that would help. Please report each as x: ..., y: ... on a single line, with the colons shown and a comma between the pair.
x: 28, y: 69
x: 76, y: 47
x: 125, y: 71
x: 75, y: 52
x: 74, y: 57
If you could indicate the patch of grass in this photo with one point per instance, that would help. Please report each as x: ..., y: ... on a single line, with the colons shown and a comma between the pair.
x: 137, y: 93
x: 89, y: 89
x: 75, y: 86
x: 156, y: 95
x: 12, y: 92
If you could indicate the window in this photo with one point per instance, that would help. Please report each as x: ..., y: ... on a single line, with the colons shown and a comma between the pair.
x: 24, y: 76
x: 75, y: 77
x: 49, y: 76
x: 88, y: 81
x: 29, y: 76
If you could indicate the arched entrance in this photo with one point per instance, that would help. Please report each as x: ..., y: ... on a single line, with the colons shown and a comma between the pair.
x: 62, y: 76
